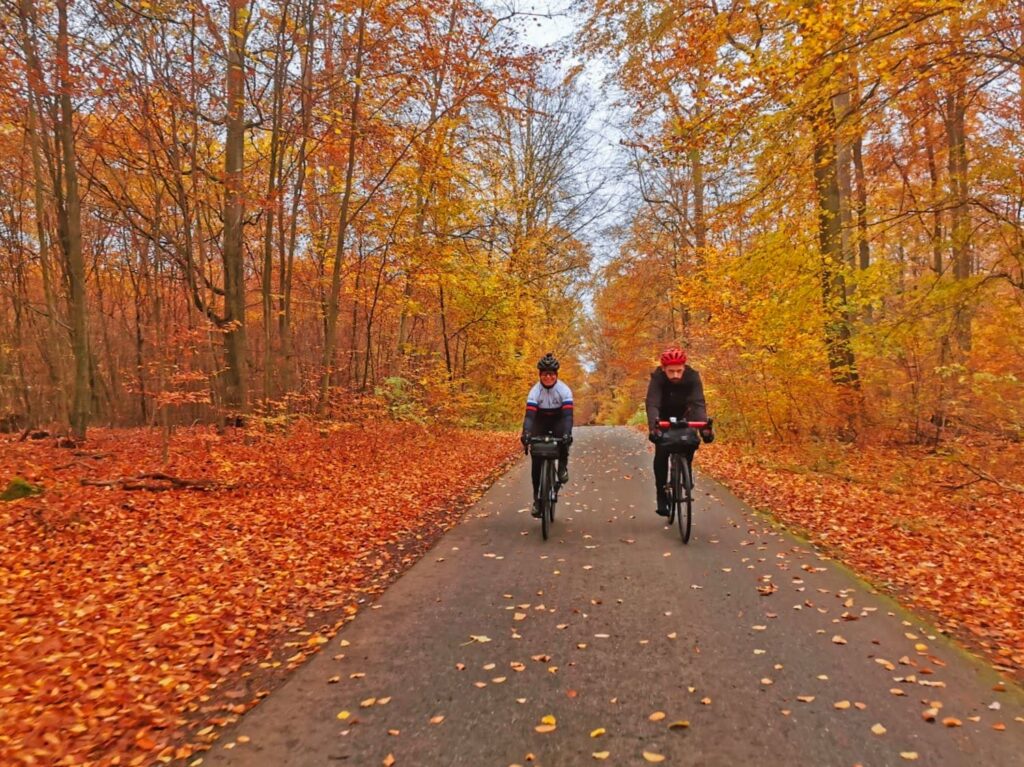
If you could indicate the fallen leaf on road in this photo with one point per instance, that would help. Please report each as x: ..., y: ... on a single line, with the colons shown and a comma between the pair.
x: 706, y: 701
x: 838, y: 640
x: 878, y: 729
x: 544, y: 728
x: 653, y: 758
x: 657, y: 716
x: 598, y: 732
x: 842, y: 705
x: 367, y: 703
x: 951, y: 721
x: 389, y: 760
x: 601, y: 754
x: 929, y: 714
x: 805, y: 698
x: 682, y: 724
x: 437, y: 719
x: 910, y: 756
x: 548, y: 719
x: 343, y: 715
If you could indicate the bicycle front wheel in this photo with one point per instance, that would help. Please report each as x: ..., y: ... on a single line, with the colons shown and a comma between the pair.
x: 544, y: 498
x: 685, y: 512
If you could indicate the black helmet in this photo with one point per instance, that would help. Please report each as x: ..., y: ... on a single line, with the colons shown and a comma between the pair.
x: 547, y: 363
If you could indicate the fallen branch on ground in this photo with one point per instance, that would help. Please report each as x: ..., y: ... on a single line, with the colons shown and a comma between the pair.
x: 155, y: 481
x: 983, y: 476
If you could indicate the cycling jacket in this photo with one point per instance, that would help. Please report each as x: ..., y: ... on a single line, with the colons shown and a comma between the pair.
x: 548, y: 408
x: 684, y: 399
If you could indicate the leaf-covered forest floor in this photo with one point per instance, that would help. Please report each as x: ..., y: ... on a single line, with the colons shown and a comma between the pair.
x: 941, y: 530
x: 130, y: 618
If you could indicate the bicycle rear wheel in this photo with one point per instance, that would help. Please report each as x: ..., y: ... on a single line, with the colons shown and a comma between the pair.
x: 685, y: 512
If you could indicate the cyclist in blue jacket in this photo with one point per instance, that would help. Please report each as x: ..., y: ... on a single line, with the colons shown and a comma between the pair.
x: 548, y: 411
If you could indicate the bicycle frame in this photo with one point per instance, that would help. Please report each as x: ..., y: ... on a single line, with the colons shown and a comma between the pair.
x: 547, y: 490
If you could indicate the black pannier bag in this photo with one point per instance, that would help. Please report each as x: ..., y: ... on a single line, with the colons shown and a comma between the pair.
x: 680, y: 440
x: 545, y: 449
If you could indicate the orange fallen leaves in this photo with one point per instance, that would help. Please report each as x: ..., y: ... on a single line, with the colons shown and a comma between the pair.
x: 892, y: 513
x: 121, y: 608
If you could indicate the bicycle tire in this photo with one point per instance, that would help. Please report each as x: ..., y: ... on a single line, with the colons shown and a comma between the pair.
x: 542, y: 501
x: 669, y: 495
x: 686, y: 514
x: 553, y: 487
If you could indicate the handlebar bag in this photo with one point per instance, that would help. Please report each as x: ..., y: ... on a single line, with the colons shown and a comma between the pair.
x: 680, y: 440
x: 545, y: 449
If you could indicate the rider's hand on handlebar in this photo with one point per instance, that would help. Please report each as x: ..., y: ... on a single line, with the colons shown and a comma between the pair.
x: 707, y: 434
x: 654, y: 434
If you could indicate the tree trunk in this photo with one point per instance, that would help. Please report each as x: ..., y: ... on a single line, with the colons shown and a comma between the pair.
x: 334, y: 297
x: 841, y: 362
x: 933, y: 175
x: 72, y: 231
x: 235, y: 374
x: 53, y: 352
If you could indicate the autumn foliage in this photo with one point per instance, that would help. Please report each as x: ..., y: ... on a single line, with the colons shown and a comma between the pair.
x: 210, y: 208
x: 122, y: 612
x: 827, y: 212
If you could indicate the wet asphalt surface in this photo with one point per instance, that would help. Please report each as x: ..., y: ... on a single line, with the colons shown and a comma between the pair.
x: 745, y: 646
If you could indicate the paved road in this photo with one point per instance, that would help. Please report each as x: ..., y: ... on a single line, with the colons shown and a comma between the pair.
x: 613, y: 621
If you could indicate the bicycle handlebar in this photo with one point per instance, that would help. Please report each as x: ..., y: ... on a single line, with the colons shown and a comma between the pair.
x: 691, y: 424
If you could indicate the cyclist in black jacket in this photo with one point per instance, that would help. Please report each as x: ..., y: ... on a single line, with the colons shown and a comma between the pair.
x: 675, y: 390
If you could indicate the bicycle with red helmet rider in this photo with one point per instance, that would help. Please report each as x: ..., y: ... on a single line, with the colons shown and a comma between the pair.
x: 677, y: 422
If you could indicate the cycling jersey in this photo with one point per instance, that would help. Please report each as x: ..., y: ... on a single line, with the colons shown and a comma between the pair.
x: 548, y: 408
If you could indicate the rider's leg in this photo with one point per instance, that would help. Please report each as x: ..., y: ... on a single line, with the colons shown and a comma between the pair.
x: 661, y: 478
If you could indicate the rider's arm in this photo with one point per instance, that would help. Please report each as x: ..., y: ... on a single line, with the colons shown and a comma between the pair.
x: 653, y: 401
x: 696, y: 408
x: 567, y: 411
x: 531, y: 409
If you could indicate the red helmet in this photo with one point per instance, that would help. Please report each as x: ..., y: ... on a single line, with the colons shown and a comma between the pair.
x: 673, y: 356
